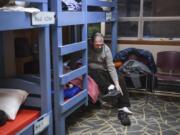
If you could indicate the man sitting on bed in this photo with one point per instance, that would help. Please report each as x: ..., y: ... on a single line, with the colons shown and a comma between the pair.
x: 102, y: 70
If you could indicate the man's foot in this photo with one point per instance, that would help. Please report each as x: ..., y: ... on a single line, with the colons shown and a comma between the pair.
x: 126, y: 110
x: 111, y: 95
x: 123, y: 117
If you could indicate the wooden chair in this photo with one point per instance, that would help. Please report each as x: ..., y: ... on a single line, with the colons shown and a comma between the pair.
x: 168, y: 69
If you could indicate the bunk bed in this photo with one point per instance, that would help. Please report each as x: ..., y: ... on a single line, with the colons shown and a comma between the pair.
x: 36, y: 114
x: 63, y: 108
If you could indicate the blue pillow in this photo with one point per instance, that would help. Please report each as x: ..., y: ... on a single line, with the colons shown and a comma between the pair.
x: 70, y: 92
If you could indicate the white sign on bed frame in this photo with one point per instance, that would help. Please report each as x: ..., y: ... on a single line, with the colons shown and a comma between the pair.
x: 43, y: 18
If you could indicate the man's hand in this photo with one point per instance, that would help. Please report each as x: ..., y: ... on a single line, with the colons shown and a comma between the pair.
x: 118, y: 87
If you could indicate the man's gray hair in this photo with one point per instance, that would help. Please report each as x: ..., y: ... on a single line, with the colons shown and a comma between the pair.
x: 95, y: 35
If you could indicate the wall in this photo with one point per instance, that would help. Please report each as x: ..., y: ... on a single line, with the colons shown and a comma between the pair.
x: 152, y: 48
x: 9, y: 54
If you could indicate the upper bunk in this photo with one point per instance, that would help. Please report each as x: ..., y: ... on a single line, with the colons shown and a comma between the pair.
x: 88, y: 11
x: 27, y: 16
x: 101, y: 11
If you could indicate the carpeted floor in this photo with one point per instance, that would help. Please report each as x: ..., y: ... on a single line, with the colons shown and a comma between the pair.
x: 159, y: 116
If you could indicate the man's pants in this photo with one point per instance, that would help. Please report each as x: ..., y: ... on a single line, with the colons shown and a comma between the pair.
x: 103, y: 80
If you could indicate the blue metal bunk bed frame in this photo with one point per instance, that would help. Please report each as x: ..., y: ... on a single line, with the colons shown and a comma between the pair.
x: 62, y: 108
x: 64, y: 18
x: 40, y: 91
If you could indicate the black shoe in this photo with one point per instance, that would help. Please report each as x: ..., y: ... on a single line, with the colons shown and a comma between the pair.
x: 111, y: 95
x: 3, y: 118
x: 123, y: 117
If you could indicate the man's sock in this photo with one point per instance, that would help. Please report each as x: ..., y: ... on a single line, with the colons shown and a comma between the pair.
x: 126, y: 110
x: 111, y: 87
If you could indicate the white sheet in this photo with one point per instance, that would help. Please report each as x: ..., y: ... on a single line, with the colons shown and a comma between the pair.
x: 19, y: 9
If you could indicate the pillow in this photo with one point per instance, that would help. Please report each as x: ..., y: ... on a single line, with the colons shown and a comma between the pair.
x: 11, y: 100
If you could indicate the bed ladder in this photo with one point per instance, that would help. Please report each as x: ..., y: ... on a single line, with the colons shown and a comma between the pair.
x: 62, y: 108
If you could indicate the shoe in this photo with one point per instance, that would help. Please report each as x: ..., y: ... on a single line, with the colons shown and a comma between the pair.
x: 111, y: 95
x: 3, y: 118
x: 123, y: 117
x: 126, y: 110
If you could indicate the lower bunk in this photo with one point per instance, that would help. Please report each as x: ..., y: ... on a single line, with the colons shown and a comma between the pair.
x: 23, y: 119
x: 21, y: 100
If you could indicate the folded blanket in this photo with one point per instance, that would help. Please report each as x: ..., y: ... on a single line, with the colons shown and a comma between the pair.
x: 93, y: 90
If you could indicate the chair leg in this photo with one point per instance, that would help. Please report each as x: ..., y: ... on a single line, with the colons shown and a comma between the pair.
x: 153, y: 83
x: 146, y: 87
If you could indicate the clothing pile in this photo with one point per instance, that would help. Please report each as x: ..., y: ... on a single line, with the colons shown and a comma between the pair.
x: 76, y: 5
x: 134, y: 69
x: 71, y: 5
x: 136, y: 62
x: 143, y: 56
